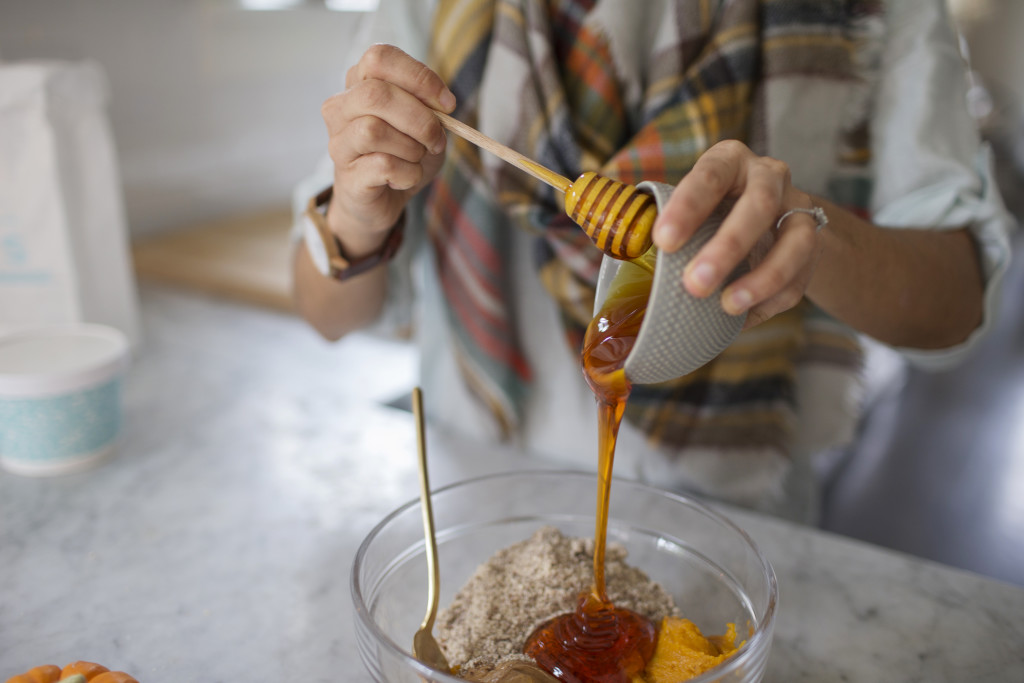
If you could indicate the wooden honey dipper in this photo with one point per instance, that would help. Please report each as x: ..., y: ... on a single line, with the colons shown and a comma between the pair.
x: 615, y: 215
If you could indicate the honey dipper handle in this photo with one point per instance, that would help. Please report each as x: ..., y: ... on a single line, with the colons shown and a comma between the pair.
x: 541, y: 173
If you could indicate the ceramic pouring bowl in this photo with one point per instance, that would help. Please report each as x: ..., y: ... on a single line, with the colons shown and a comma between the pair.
x: 680, y: 332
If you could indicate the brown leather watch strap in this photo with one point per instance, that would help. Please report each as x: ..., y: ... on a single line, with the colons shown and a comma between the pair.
x: 341, y: 266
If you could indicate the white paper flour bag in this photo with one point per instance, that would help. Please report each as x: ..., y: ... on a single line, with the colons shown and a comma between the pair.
x: 64, y: 249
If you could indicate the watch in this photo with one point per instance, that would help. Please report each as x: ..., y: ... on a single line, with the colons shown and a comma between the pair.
x: 325, y: 248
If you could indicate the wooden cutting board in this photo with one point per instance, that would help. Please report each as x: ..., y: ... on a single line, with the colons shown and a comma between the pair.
x: 242, y: 258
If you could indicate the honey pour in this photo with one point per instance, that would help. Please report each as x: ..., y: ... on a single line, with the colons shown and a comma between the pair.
x: 598, y: 642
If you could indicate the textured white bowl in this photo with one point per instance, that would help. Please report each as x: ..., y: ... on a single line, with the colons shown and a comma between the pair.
x: 680, y: 332
x: 60, y: 397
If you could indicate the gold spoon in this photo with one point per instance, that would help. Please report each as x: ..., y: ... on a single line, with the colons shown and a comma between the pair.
x: 424, y: 647
x: 518, y: 672
x: 615, y: 215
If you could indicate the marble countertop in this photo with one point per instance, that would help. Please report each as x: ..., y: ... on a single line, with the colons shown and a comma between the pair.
x: 216, y: 545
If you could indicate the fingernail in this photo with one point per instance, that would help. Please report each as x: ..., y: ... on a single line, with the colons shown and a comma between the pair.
x: 739, y: 301
x: 667, y: 236
x: 702, y: 274
x: 439, y: 146
x: 447, y: 100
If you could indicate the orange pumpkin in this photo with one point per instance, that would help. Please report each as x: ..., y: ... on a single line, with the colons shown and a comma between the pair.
x: 88, y: 669
x: 113, y: 677
x: 76, y: 672
x: 47, y: 673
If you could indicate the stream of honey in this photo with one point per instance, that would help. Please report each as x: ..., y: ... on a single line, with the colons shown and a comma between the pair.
x: 598, y: 642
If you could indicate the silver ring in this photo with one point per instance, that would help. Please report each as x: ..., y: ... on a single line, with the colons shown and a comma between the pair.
x: 817, y: 213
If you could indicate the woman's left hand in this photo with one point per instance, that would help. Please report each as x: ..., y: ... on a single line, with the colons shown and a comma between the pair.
x: 782, y: 261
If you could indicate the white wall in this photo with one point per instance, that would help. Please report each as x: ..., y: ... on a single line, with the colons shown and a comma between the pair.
x: 215, y: 110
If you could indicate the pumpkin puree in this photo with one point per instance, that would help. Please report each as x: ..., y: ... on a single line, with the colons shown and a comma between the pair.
x: 683, y: 652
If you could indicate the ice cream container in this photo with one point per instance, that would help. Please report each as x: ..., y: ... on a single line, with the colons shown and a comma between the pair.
x: 60, y: 397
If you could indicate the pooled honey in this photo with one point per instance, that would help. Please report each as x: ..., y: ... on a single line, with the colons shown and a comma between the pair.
x: 598, y: 642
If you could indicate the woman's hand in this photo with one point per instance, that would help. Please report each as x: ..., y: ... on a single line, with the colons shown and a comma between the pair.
x: 385, y: 143
x: 782, y: 262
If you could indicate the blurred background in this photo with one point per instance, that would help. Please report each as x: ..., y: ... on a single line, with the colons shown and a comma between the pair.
x: 215, y: 104
x: 212, y: 111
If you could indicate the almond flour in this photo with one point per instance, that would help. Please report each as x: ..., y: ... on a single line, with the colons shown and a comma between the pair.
x: 522, y: 586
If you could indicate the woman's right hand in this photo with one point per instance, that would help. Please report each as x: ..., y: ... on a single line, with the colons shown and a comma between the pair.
x: 385, y: 142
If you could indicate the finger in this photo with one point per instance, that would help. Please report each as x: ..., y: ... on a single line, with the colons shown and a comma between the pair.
x: 376, y: 171
x: 781, y: 302
x: 392, y: 105
x: 750, y: 217
x: 717, y: 173
x: 779, y: 281
x: 389, y: 63
x: 758, y: 315
x: 369, y: 135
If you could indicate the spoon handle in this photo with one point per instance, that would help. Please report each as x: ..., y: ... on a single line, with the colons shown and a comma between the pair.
x: 541, y: 173
x: 433, y: 569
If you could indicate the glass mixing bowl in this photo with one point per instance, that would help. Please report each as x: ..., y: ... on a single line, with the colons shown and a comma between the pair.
x: 712, y: 568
